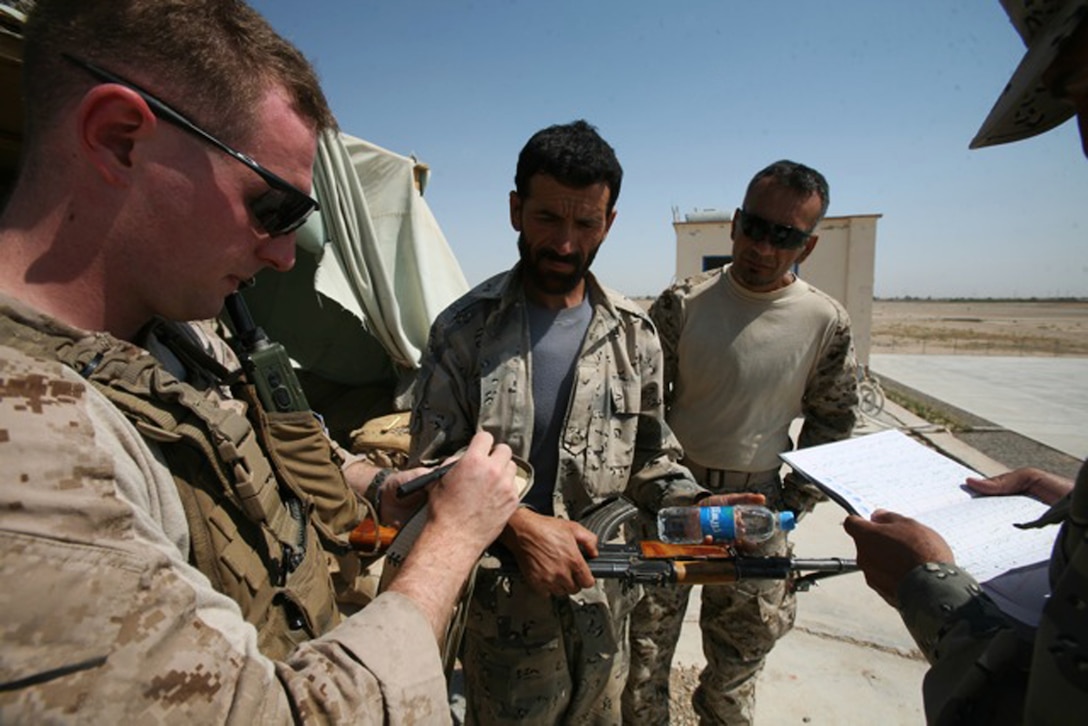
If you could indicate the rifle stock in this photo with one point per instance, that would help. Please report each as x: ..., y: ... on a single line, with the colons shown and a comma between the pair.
x: 369, y: 537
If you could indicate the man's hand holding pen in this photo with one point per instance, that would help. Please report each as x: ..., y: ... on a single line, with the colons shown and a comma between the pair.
x: 419, y: 483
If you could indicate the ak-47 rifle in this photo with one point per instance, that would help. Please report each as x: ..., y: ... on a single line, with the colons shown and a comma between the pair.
x: 650, y: 562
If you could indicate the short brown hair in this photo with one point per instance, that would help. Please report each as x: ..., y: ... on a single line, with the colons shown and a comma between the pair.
x: 212, y: 59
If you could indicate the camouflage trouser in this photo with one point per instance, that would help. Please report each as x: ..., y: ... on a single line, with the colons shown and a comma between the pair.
x: 740, y: 623
x: 529, y: 659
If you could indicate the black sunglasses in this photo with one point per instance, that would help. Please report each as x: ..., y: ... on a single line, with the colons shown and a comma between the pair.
x: 781, y: 236
x: 281, y: 210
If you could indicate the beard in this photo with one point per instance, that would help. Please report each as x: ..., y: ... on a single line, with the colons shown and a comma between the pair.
x: 551, y: 282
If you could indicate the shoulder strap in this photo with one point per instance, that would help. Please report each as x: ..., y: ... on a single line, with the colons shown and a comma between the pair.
x: 167, y: 410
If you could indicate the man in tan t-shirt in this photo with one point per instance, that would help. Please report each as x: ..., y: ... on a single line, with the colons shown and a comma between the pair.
x: 748, y: 348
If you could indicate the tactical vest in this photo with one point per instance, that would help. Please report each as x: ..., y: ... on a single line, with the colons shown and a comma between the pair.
x: 243, y: 484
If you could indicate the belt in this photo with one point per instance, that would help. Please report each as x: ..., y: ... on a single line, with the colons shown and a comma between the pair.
x: 719, y: 479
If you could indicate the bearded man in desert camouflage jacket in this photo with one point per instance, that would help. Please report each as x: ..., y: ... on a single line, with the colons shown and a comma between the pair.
x: 568, y: 374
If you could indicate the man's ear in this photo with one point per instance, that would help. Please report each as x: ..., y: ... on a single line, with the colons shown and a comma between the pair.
x: 609, y: 221
x: 809, y: 246
x: 515, y: 211
x: 111, y: 121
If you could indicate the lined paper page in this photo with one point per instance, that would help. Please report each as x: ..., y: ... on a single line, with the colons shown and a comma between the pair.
x: 889, y: 470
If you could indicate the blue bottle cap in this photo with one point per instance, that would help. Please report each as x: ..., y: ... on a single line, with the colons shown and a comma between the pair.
x: 786, y: 521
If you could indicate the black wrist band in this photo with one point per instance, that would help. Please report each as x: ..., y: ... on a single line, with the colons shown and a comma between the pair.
x: 374, y: 489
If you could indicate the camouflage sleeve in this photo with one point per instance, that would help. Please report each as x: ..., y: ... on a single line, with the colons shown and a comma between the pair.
x: 657, y: 478
x: 667, y: 314
x: 830, y: 401
x: 978, y: 661
x: 935, y: 599
x: 443, y: 420
x: 104, y: 620
x: 1059, y: 678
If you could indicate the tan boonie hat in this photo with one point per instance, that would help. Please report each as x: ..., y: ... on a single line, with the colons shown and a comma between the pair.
x: 1025, y: 108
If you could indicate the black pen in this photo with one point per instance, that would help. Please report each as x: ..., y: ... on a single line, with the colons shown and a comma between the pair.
x: 409, y: 488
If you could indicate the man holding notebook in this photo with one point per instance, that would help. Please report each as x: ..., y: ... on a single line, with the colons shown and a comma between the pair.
x: 984, y: 668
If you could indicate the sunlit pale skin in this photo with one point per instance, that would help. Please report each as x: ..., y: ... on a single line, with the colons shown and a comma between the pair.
x: 166, y: 230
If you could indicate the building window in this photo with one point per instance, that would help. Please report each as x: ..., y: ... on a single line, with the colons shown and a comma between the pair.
x: 713, y: 262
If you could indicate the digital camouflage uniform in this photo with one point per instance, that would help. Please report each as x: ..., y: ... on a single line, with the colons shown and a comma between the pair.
x: 740, y: 622
x: 986, y: 669
x: 105, y: 620
x: 527, y: 658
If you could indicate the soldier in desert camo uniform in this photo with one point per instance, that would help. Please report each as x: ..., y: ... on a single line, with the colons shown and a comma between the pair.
x: 162, y: 534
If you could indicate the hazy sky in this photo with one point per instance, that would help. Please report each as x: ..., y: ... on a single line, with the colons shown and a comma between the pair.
x: 696, y: 96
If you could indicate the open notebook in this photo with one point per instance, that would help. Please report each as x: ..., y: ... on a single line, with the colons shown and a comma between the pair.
x: 889, y: 470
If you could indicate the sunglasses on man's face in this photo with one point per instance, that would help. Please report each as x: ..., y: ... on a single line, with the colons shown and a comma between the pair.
x: 781, y: 236
x: 281, y: 210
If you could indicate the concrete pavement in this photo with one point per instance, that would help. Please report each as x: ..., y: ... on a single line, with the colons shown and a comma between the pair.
x: 1045, y: 399
x: 849, y: 660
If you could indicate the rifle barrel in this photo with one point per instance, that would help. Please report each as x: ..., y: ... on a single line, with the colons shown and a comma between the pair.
x: 826, y: 564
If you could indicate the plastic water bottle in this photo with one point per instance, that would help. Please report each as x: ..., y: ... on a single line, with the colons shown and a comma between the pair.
x: 748, y: 523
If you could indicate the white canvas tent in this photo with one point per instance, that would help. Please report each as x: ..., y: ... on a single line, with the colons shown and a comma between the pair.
x: 393, y: 265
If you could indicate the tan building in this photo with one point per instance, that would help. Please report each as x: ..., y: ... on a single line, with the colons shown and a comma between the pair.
x: 842, y: 265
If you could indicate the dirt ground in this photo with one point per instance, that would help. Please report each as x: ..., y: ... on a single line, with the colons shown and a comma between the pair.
x: 1036, y: 328
x: 977, y: 327
x: 682, y: 683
